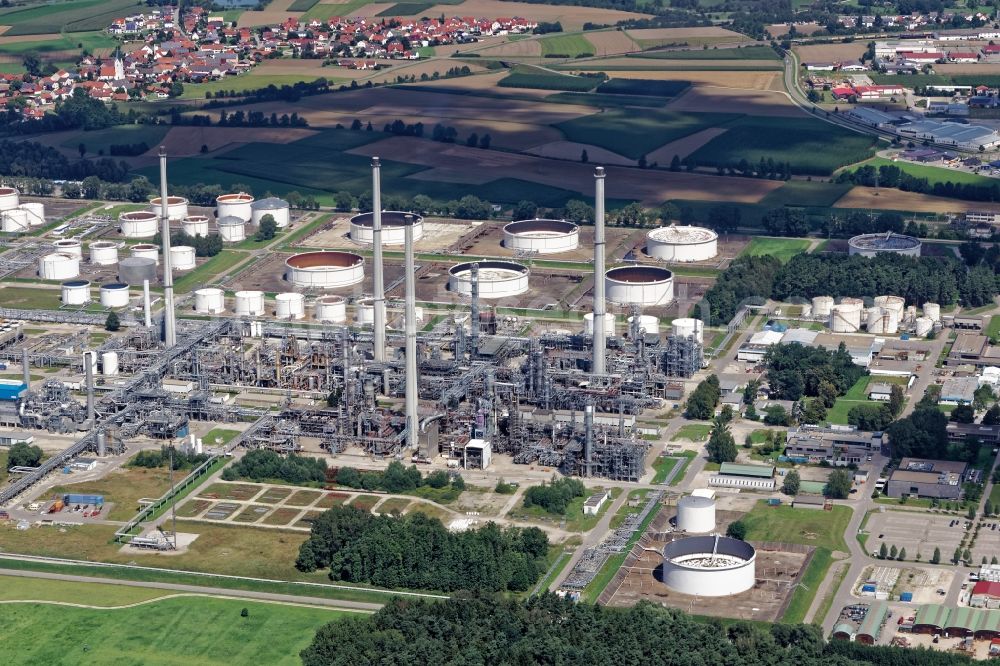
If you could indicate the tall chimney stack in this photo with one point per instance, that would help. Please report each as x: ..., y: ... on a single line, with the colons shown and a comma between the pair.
x: 474, y: 314
x: 378, y: 287
x: 588, y: 438
x: 597, y: 367
x: 26, y: 367
x: 145, y: 304
x: 88, y: 371
x: 169, y: 327
x: 411, y: 340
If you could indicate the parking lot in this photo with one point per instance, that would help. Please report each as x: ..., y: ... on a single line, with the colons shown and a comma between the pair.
x: 988, y: 541
x: 917, y: 532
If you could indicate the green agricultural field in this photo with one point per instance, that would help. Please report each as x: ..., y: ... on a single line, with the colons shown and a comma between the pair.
x: 566, y: 46
x: 644, y: 87
x: 245, y: 82
x: 745, y: 53
x: 806, y: 193
x: 933, y: 174
x: 91, y: 41
x: 604, y: 101
x: 323, y: 11
x: 72, y: 16
x: 302, y: 5
x: 823, y: 529
x: 103, y: 139
x: 201, y: 630
x: 406, y: 9
x: 532, y: 77
x: 782, y: 248
x: 694, y: 432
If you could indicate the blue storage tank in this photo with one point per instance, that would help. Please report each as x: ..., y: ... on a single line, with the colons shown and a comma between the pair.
x: 868, y: 588
x: 906, y: 596
x: 184, y: 430
x: 11, y: 389
x: 84, y: 499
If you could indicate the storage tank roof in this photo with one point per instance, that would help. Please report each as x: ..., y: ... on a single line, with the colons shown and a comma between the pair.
x: 231, y: 220
x: 271, y: 203
x: 696, y: 502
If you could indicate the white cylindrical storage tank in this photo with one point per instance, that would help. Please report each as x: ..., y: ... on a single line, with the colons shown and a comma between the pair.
x: 709, y: 566
x: 869, y: 245
x: 682, y: 244
x: 273, y: 206
x: 923, y: 326
x: 822, y: 306
x: 891, y: 303
x: 109, y: 363
x: 234, y: 205
x: 807, y: 310
x: 910, y: 314
x: 146, y: 251
x: 139, y: 224
x: 540, y: 236
x: 182, y: 257
x: 845, y: 317
x: 249, y: 303
x: 35, y: 212
x: 365, y: 312
x: 14, y: 221
x: 136, y: 270
x: 9, y: 198
x: 932, y: 311
x: 103, y: 253
x: 497, y: 279
x: 588, y: 323
x: 70, y: 246
x: 688, y: 326
x: 393, y: 227
x: 232, y: 229
x: 325, y: 269
x: 289, y: 305
x: 877, y: 320
x: 76, y: 292
x: 639, y: 285
x: 209, y: 301
x: 58, y: 266
x: 177, y: 207
x: 695, y: 514
x: 115, y: 295
x: 332, y: 309
x: 195, y: 225
x: 647, y: 323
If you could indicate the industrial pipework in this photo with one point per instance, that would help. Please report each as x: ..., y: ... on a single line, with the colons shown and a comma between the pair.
x: 474, y: 325
x: 411, y: 341
x: 597, y: 367
x: 88, y: 371
x: 169, y: 329
x: 378, y: 287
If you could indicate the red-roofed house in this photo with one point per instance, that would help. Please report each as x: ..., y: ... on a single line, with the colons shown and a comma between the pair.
x: 985, y: 594
x: 963, y: 56
x: 842, y: 92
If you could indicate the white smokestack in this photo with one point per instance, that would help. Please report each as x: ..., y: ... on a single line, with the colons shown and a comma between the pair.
x: 597, y: 367
x: 145, y: 304
x: 88, y: 371
x: 169, y: 328
x: 378, y: 278
x: 411, y: 340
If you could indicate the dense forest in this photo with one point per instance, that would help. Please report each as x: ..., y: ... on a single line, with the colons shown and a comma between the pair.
x: 266, y: 465
x: 418, y: 552
x: 747, y: 277
x: 29, y: 159
x: 474, y: 630
x: 795, y: 370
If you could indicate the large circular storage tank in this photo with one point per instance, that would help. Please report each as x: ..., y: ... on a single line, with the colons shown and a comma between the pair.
x: 647, y: 323
x: 709, y: 566
x: 103, y: 253
x: 273, y: 206
x: 588, y: 323
x: 35, y: 212
x: 135, y: 270
x: 234, y: 205
x: 868, y: 245
x: 894, y: 303
x: 332, y: 309
x: 365, y: 312
x: 146, y: 251
x: 249, y: 303
x: 209, y: 301
x: 9, y: 198
x: 882, y: 321
x: 932, y: 311
x: 923, y: 326
x: 58, y: 266
x: 195, y: 225
x: 393, y: 227
x: 682, y: 244
x: 177, y: 207
x: 232, y: 229
x: 109, y: 363
x: 687, y: 326
x: 14, y: 221
x: 541, y: 236
x: 696, y: 515
x: 289, y: 305
x: 115, y: 295
x: 639, y: 285
x: 139, y: 224
x: 822, y: 306
x: 182, y: 257
x: 845, y: 317
x: 497, y: 279
x: 325, y: 270
x: 69, y: 246
x: 76, y: 292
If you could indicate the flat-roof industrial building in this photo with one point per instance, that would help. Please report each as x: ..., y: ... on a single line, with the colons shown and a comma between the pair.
x: 940, y: 479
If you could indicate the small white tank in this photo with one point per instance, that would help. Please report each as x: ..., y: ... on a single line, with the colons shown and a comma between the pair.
x: 911, y: 314
x: 177, y: 207
x: 648, y: 322
x: 609, y: 324
x: 195, y: 225
x: 35, y: 212
x: 232, y: 229
x: 70, y: 246
x: 237, y: 205
x: 115, y: 295
x: 276, y: 208
x: 688, y: 326
x: 58, y: 266
x: 14, y: 221
x: 365, y: 312
x: 332, y: 309
x: 182, y: 257
x: 289, y: 305
x: 109, y: 363
x: 845, y: 317
x: 923, y: 326
x: 103, y: 253
x: 76, y: 292
x: 9, y: 198
x: 932, y: 311
x: 894, y: 303
x: 807, y: 310
x: 696, y: 514
x: 249, y: 303
x: 822, y: 306
x: 209, y: 301
x: 883, y: 321
x: 146, y: 251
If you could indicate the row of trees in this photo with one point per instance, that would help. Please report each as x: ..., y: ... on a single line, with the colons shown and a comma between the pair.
x: 266, y: 465
x: 703, y: 400
x: 151, y: 458
x: 204, y: 246
x: 893, y: 176
x: 30, y: 159
x: 555, y: 495
x: 397, y: 478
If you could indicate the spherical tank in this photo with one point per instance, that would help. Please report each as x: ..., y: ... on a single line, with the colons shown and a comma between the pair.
x: 182, y: 257
x: 393, y: 227
x: 289, y: 305
x: 709, y: 566
x: 273, y: 206
x: 696, y: 515
x: 195, y: 225
x: 177, y: 207
x: 639, y: 285
x: 682, y: 244
x: 35, y: 211
x: 647, y: 323
x: 115, y: 295
x: 845, y: 317
x: 497, y: 279
x: 209, y: 301
x: 541, y: 236
x: 109, y: 363
x: 76, y: 292
x: 325, y: 269
x: 134, y: 270
x: 69, y: 246
x: 58, y: 266
x: 932, y: 311
x: 232, y: 229
x: 103, y: 253
x: 332, y: 309
x: 869, y: 245
x: 14, y: 221
x: 687, y: 326
x: 9, y: 198
x: 234, y: 205
x: 365, y: 312
x: 146, y: 251
x: 822, y: 306
x: 609, y: 323
x: 249, y: 303
x: 139, y: 224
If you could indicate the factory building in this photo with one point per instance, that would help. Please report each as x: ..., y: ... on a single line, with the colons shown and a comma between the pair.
x: 748, y: 477
x: 835, y: 446
x: 985, y: 594
x: 916, y: 477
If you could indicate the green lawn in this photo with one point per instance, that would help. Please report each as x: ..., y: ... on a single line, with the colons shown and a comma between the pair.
x: 823, y: 529
x: 575, y: 520
x: 93, y: 594
x: 806, y: 590
x: 172, y: 631
x: 569, y: 46
x: 248, y: 81
x: 782, y: 248
x: 30, y: 298
x: 995, y: 494
x: 993, y: 328
x: 206, y: 272
x: 695, y: 432
x: 219, y: 436
x: 745, y: 53
x: 933, y: 174
x: 103, y: 139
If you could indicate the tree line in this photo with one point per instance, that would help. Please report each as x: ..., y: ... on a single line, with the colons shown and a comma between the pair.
x: 396, y: 478
x: 554, y: 496
x: 893, y: 176
x: 204, y: 246
x: 152, y: 458
x: 747, y: 278
x: 266, y: 465
x: 30, y: 159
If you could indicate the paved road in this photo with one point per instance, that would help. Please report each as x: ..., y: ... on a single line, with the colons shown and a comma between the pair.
x: 591, y: 538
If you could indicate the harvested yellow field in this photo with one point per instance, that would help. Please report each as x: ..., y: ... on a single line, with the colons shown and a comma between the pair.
x: 743, y: 80
x: 865, y: 197
x: 684, y: 33
x: 17, y: 39
x: 730, y: 100
x: 571, y: 17
x: 276, y: 12
x: 187, y: 141
x: 831, y: 52
x: 685, y: 146
x: 571, y: 150
x: 523, y: 48
x: 969, y: 68
x: 611, y: 42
